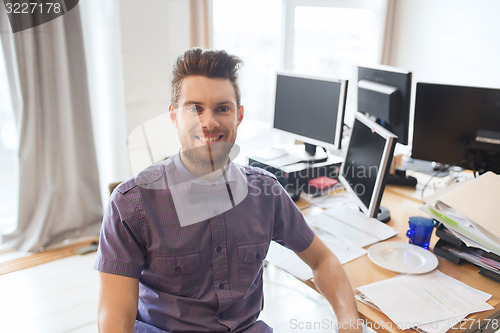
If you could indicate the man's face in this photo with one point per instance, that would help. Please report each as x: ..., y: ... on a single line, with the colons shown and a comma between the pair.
x: 206, y: 119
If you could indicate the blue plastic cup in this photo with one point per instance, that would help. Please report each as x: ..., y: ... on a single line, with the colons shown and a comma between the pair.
x: 420, y: 230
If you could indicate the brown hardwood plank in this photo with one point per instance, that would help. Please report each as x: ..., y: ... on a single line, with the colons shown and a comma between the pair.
x: 44, y: 257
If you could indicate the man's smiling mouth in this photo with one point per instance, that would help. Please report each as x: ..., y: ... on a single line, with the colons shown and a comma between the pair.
x: 209, y: 139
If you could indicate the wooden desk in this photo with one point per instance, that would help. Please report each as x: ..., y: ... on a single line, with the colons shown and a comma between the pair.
x: 403, y: 204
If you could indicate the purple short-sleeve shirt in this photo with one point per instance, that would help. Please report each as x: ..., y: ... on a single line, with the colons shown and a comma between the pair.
x: 204, y: 276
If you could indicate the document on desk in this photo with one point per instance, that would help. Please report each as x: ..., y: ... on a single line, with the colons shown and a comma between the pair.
x: 352, y: 227
x: 287, y: 260
x: 434, y: 327
x: 423, y: 300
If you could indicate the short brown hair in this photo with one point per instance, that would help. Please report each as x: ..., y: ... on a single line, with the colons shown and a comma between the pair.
x: 208, y: 63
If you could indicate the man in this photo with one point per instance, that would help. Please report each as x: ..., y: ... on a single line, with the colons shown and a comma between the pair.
x: 182, y: 244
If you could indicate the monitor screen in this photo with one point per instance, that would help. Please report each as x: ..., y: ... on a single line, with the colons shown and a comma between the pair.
x: 384, y: 93
x: 367, y: 163
x: 312, y: 109
x: 457, y: 125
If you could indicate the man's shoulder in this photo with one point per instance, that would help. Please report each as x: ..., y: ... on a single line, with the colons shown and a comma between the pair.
x: 151, y: 176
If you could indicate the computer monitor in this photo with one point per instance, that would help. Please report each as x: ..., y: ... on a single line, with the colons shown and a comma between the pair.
x: 311, y: 108
x: 457, y: 125
x: 367, y: 162
x: 384, y: 93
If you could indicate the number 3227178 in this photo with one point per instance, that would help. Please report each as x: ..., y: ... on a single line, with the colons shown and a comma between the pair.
x: 33, y: 8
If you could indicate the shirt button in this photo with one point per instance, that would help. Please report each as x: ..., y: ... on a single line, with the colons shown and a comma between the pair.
x: 221, y: 285
x: 218, y: 249
x: 220, y: 316
x: 178, y: 269
x: 257, y: 256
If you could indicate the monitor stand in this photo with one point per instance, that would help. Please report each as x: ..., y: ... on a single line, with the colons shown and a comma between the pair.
x: 309, y: 153
x: 429, y: 168
x: 310, y: 149
x: 400, y: 178
x: 384, y: 215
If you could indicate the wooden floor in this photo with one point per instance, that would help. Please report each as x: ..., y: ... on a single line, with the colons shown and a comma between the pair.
x: 61, y: 296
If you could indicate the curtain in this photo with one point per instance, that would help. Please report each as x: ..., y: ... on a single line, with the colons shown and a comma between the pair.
x: 388, y: 32
x: 201, y: 23
x: 59, y: 196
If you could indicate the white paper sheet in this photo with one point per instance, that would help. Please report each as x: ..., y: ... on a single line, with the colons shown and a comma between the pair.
x: 348, y: 233
x: 352, y: 227
x: 360, y: 221
x: 435, y: 327
x: 416, y: 300
x: 439, y: 326
x: 343, y: 251
x: 287, y: 260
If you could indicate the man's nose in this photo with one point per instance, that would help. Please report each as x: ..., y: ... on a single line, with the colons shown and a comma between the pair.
x: 208, y: 120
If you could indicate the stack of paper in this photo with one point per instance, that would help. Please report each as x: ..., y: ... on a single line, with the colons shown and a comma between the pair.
x: 471, y: 211
x: 432, y: 302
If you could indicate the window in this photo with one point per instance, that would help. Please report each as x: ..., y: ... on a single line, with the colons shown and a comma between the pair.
x: 251, y: 30
x: 331, y: 38
x: 8, y: 155
x: 315, y: 37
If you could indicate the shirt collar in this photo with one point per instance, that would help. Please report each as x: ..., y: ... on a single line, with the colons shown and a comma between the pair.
x: 182, y: 174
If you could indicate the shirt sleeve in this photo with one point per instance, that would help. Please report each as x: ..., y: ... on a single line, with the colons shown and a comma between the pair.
x: 122, y: 245
x: 290, y: 228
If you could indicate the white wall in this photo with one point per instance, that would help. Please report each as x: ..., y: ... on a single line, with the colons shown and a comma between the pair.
x: 153, y: 33
x: 448, y: 41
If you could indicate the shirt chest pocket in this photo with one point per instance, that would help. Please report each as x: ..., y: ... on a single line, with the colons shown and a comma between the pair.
x: 251, y: 257
x: 178, y: 274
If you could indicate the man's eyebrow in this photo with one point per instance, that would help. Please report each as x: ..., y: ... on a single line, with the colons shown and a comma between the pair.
x: 192, y: 102
x: 201, y: 103
x: 225, y: 102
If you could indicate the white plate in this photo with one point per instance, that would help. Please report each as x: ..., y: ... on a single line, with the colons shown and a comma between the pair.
x: 402, y: 257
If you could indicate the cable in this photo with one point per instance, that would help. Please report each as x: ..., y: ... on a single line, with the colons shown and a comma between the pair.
x: 434, y: 174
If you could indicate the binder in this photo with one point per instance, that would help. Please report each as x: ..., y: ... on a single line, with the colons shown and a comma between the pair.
x: 471, y: 209
x: 448, y: 242
x: 464, y: 199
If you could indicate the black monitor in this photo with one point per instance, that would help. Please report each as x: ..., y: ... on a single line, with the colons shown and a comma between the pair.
x: 367, y: 162
x: 311, y: 108
x: 457, y: 125
x: 384, y: 93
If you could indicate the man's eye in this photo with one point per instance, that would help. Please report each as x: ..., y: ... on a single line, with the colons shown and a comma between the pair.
x: 193, y: 108
x: 224, y: 109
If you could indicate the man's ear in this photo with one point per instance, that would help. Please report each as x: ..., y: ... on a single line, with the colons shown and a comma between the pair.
x: 173, y: 115
x: 241, y: 113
